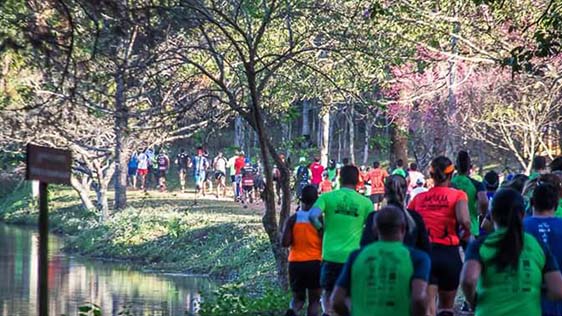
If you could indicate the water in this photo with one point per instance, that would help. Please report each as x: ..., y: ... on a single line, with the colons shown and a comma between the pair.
x: 76, y: 281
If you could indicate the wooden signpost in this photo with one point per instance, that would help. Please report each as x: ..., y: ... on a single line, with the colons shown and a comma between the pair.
x: 46, y: 165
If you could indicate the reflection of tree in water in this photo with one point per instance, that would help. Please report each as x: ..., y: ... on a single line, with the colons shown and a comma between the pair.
x: 74, y: 282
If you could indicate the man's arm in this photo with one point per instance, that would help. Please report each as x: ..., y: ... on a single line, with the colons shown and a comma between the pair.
x: 463, y: 217
x: 314, y: 217
x: 316, y: 212
x: 287, y: 235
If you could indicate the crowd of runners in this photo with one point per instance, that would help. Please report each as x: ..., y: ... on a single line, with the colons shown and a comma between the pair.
x: 374, y: 242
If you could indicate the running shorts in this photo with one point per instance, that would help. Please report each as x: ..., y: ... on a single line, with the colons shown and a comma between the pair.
x: 304, y: 275
x: 376, y: 198
x: 446, y: 266
x: 329, y: 273
x: 219, y: 175
x: 142, y: 172
x: 199, y: 178
x: 132, y: 172
x: 233, y: 179
x: 247, y: 188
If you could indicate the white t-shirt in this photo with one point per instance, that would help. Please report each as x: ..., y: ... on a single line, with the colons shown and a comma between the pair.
x: 220, y: 164
x: 143, y: 161
x: 417, y: 191
x: 414, y: 177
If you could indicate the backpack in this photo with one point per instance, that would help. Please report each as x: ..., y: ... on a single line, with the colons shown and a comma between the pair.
x: 302, y: 174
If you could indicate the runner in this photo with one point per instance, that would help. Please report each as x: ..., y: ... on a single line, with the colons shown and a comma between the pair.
x: 443, y: 209
x: 399, y: 170
x: 132, y: 169
x: 416, y: 233
x: 413, y: 176
x: 142, y: 169
x: 199, y: 164
x: 475, y: 191
x: 219, y: 164
x: 248, y: 180
x: 539, y: 167
x: 385, y: 277
x: 361, y: 184
x: 504, y: 272
x: 547, y: 229
x: 326, y: 184
x: 344, y: 212
x: 232, y: 174
x: 332, y: 170
x: 419, y: 188
x: 305, y: 256
x: 277, y: 179
x: 183, y: 161
x: 491, y: 183
x: 302, y: 176
x: 239, y: 163
x: 163, y: 164
x: 376, y: 177
x: 316, y: 170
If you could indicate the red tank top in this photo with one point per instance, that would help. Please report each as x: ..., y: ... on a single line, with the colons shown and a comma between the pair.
x: 437, y: 208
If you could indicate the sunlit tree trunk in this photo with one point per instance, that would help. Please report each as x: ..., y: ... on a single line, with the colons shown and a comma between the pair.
x: 325, y: 136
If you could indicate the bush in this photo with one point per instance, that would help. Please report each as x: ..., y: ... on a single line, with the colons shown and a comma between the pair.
x: 235, y: 299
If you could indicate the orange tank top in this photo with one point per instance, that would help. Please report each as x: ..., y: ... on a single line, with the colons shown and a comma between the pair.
x: 306, y: 244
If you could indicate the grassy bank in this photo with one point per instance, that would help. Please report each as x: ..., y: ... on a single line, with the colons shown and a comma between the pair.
x: 160, y: 231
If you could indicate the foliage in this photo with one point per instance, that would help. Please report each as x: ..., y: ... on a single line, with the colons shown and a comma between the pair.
x: 237, y: 300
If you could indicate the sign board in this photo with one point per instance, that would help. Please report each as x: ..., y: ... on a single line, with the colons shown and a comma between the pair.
x: 48, y: 165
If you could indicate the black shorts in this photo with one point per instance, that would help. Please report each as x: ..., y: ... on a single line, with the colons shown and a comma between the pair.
x: 233, y: 179
x: 376, y: 198
x: 329, y: 274
x: 304, y: 275
x: 219, y: 175
x: 446, y: 266
x: 247, y: 188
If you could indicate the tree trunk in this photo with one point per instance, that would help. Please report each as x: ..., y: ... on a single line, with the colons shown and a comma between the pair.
x: 399, y: 146
x: 306, y: 121
x: 239, y: 132
x: 83, y: 193
x: 102, y: 203
x: 366, y: 141
x: 340, y: 131
x: 325, y: 136
x: 350, y: 121
x: 121, y: 152
x: 269, y: 220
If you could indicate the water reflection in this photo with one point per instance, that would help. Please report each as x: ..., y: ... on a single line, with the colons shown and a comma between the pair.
x: 73, y: 282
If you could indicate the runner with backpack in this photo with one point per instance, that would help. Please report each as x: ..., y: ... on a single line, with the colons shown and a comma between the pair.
x: 302, y: 176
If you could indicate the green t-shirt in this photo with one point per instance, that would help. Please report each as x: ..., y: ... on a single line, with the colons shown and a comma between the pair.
x: 471, y: 187
x: 400, y: 172
x: 345, y: 212
x: 378, y: 278
x: 510, y: 292
x: 332, y: 174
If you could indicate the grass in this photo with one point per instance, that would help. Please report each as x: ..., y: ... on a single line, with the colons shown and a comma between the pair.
x: 161, y: 231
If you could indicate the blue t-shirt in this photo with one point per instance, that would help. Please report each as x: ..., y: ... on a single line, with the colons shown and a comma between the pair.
x: 200, y: 164
x: 547, y: 230
x: 133, y: 162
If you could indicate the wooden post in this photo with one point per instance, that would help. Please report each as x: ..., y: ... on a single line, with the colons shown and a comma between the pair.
x: 43, y: 250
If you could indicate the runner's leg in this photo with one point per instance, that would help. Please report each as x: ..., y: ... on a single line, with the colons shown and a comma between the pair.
x: 314, y: 302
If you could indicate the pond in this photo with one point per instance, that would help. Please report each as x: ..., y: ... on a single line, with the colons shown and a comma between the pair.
x: 75, y: 281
